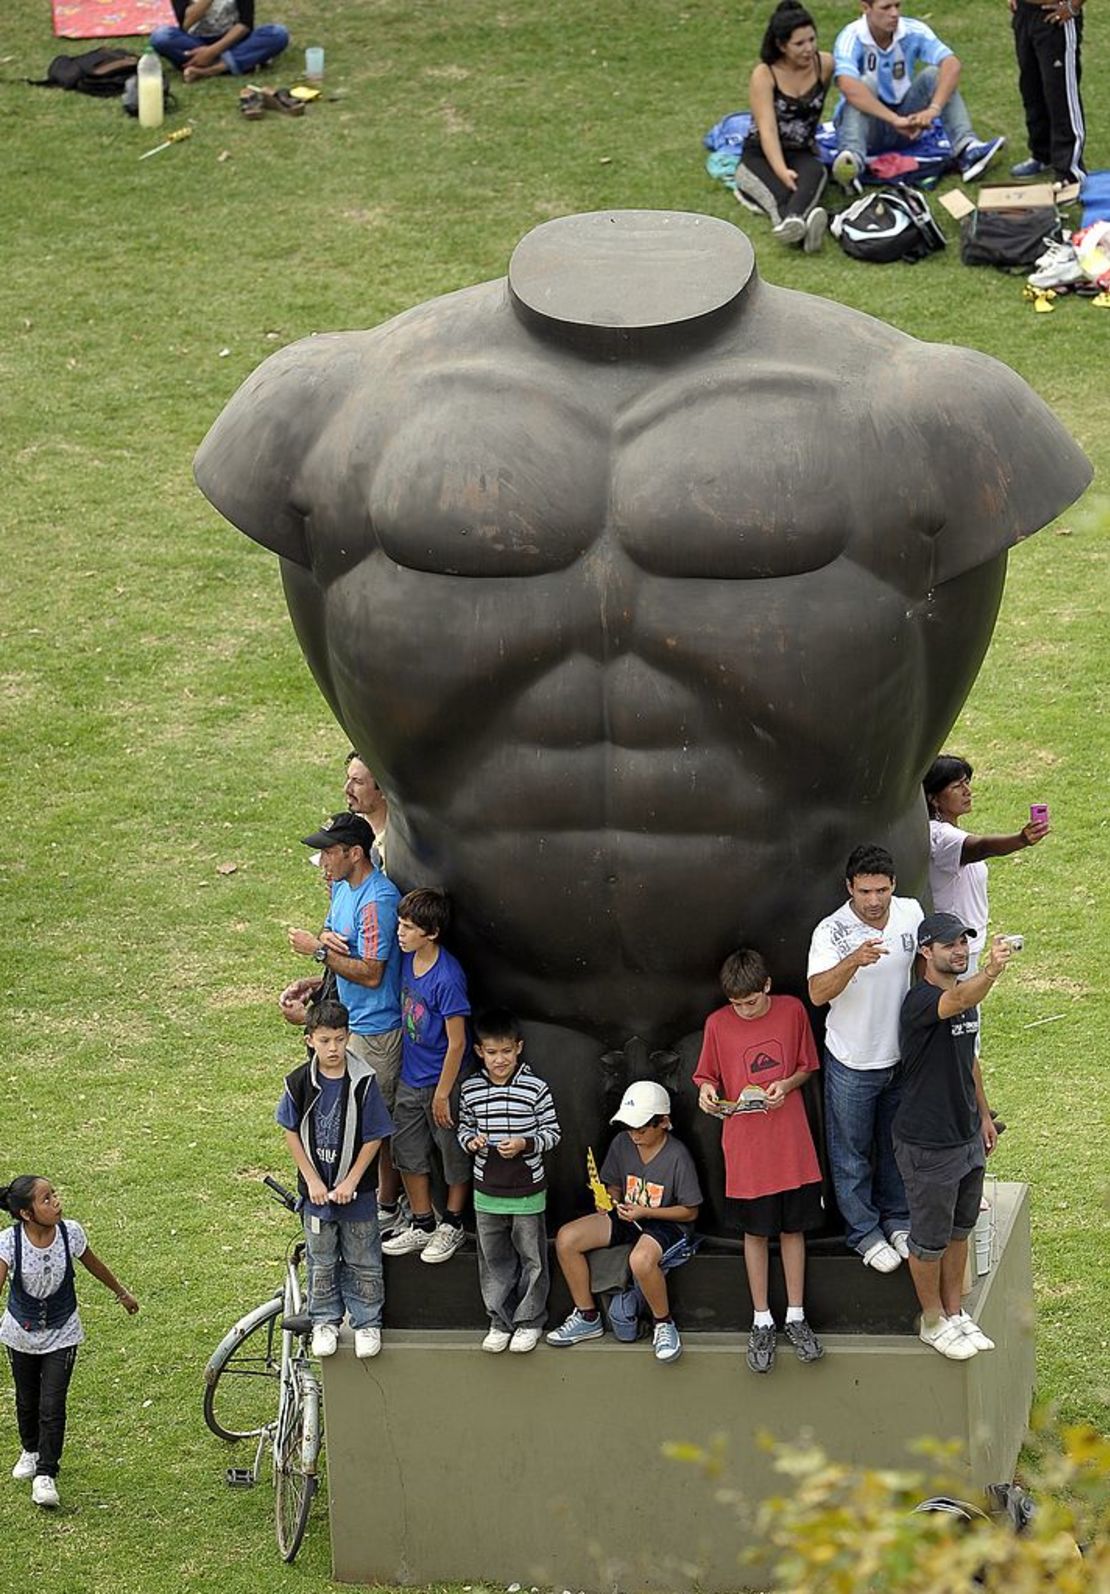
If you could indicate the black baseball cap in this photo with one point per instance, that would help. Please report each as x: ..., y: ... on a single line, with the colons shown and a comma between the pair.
x: 342, y: 830
x: 943, y: 927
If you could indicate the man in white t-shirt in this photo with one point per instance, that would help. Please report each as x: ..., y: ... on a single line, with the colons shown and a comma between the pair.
x: 860, y: 963
x: 896, y: 77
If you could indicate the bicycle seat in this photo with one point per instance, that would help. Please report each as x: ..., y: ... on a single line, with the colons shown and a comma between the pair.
x: 300, y: 1324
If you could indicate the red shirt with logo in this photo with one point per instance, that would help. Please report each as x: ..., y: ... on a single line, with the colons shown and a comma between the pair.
x: 772, y: 1151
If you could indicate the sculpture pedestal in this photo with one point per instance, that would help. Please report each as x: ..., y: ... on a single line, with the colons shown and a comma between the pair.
x: 446, y: 1465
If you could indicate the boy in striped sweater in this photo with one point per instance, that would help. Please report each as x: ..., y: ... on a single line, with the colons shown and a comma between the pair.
x: 506, y: 1122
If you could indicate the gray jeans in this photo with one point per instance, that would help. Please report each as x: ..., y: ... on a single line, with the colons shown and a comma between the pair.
x: 868, y: 135
x: 512, y: 1267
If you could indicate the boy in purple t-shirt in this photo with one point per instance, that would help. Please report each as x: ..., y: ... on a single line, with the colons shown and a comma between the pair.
x: 434, y: 1009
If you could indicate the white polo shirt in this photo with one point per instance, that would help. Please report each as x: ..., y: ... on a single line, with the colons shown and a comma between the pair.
x: 862, y: 1026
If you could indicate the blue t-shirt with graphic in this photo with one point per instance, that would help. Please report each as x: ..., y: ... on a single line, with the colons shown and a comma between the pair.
x: 375, y: 1124
x: 427, y: 1002
x: 887, y: 73
x: 366, y: 917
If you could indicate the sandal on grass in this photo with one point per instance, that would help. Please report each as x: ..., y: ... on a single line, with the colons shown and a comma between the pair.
x: 282, y: 100
x: 251, y: 104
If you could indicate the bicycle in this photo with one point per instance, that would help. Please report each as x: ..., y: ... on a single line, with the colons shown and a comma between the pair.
x: 269, y: 1346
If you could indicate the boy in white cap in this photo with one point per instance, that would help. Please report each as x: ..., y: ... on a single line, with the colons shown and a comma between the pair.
x: 654, y: 1185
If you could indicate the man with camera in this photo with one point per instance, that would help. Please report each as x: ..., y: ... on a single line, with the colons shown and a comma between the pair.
x: 943, y: 1131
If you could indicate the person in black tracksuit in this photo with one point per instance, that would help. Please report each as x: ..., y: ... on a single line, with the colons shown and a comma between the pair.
x: 1048, y: 35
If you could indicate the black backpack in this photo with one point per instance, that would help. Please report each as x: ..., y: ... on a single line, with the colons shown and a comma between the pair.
x: 890, y: 224
x: 102, y: 73
x: 1012, y: 240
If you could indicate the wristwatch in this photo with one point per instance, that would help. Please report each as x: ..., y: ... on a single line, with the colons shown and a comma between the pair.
x: 320, y: 955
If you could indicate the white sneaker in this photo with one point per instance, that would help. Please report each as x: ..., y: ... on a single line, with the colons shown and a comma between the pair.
x: 817, y: 223
x: 790, y: 230
x: 406, y: 1241
x: 1063, y: 271
x: 970, y: 1329
x: 368, y: 1342
x: 947, y: 1337
x: 882, y: 1257
x: 26, y: 1466
x: 44, y: 1492
x: 525, y: 1339
x: 443, y: 1243
x: 496, y: 1340
x: 900, y: 1240
x: 325, y: 1339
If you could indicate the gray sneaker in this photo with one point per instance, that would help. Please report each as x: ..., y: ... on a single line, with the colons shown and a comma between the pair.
x: 576, y: 1328
x: 807, y: 1347
x: 761, y: 1350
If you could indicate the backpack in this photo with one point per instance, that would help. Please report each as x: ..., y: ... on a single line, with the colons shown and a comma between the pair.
x: 1012, y: 240
x: 892, y: 224
x: 102, y: 73
x: 627, y: 1309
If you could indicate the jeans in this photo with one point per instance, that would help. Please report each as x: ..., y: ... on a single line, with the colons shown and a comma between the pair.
x: 512, y: 1267
x: 345, y: 1272
x: 859, y: 1110
x: 260, y: 45
x: 41, y: 1383
x: 867, y: 135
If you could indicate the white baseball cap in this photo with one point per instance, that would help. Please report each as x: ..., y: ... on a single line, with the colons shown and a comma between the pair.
x: 640, y: 1103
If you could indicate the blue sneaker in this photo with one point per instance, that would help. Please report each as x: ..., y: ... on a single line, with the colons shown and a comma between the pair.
x: 975, y: 157
x: 1029, y: 168
x: 576, y: 1328
x: 666, y: 1343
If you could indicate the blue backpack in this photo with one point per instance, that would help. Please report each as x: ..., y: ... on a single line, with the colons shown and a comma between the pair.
x: 627, y: 1310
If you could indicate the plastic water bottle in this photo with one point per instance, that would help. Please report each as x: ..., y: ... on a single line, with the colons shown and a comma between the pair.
x: 151, y: 98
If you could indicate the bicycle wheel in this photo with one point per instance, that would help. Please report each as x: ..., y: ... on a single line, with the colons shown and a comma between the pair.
x: 243, y: 1373
x: 296, y: 1447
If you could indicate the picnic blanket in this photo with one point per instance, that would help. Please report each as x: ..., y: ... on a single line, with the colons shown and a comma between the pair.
x: 109, y: 19
x: 920, y: 164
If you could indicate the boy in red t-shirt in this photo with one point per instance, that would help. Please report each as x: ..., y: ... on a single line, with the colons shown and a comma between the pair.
x: 771, y: 1170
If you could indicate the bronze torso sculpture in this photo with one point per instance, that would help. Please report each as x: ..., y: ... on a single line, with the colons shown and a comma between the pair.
x: 647, y: 591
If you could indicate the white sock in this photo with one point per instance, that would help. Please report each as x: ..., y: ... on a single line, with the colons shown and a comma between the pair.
x: 795, y: 1314
x: 763, y: 1320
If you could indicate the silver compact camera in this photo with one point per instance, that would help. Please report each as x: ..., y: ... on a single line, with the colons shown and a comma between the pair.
x: 1015, y: 941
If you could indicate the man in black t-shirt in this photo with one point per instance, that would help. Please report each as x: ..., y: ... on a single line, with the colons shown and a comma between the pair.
x: 943, y: 1130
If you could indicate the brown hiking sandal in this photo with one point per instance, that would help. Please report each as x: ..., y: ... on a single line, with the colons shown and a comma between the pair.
x: 282, y: 100
x: 251, y: 104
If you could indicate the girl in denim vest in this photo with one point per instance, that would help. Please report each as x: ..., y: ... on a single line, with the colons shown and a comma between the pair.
x: 41, y: 1327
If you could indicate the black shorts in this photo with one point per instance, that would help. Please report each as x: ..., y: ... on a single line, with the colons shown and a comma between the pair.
x: 663, y: 1233
x: 944, y: 1186
x: 785, y: 1212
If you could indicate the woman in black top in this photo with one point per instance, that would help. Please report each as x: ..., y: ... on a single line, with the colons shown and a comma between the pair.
x: 779, y: 172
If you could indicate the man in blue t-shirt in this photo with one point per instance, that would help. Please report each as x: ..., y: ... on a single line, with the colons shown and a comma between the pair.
x: 896, y: 77
x: 359, y: 945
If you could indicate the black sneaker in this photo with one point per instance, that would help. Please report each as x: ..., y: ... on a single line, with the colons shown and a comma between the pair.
x: 807, y: 1347
x: 761, y: 1350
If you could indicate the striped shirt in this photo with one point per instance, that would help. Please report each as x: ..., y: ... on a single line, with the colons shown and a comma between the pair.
x: 521, y: 1107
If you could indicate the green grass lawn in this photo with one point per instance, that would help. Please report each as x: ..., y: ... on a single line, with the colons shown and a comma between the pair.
x: 159, y: 720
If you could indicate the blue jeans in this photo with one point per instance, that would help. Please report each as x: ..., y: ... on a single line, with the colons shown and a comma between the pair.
x: 345, y: 1272
x: 860, y: 1104
x: 867, y: 135
x: 259, y: 46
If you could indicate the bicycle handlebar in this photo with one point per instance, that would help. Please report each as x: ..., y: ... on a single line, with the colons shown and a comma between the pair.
x: 285, y: 1196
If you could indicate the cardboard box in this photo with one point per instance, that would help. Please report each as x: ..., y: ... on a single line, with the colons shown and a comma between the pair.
x: 1018, y: 196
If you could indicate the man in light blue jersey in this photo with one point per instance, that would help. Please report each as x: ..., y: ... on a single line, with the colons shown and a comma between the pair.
x: 896, y: 76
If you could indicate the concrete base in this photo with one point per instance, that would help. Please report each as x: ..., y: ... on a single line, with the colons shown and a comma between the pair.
x: 449, y: 1465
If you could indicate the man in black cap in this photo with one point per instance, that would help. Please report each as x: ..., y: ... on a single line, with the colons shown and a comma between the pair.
x: 359, y: 945
x: 943, y: 1131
